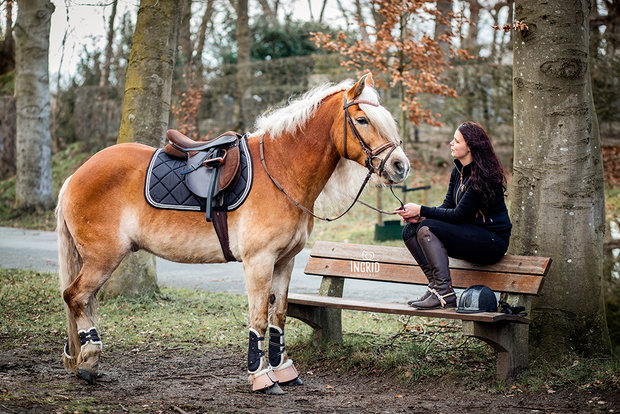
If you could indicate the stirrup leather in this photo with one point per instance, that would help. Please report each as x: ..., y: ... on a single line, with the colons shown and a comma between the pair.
x: 442, y: 301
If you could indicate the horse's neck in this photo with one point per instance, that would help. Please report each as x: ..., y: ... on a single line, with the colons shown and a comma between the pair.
x: 304, y: 161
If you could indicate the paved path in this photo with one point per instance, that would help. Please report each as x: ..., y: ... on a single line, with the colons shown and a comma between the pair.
x: 37, y: 250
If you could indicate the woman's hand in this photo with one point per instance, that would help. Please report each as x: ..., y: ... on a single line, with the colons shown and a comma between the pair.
x: 410, y: 213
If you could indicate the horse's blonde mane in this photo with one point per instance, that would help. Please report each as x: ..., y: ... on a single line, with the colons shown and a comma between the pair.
x: 297, y: 112
x: 349, y: 175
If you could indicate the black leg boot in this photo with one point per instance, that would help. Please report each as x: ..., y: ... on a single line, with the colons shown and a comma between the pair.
x: 418, y: 255
x: 443, y: 295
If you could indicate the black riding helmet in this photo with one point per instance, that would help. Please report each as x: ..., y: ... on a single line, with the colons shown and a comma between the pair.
x: 477, y: 298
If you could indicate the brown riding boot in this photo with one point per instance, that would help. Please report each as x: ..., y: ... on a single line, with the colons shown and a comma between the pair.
x: 442, y: 295
x: 418, y: 255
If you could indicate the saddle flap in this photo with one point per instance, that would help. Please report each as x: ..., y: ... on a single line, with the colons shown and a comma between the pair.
x: 200, y: 180
x: 229, y: 170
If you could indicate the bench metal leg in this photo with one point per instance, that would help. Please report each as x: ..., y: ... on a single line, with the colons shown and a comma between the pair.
x: 509, y: 340
x: 326, y: 322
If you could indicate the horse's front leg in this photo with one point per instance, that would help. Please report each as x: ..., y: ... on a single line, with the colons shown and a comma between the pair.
x: 258, y: 272
x: 278, y: 358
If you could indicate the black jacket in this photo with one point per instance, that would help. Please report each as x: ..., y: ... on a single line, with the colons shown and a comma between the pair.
x: 464, y: 205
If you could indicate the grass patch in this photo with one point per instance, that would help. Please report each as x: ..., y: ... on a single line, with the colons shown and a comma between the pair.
x: 410, y: 349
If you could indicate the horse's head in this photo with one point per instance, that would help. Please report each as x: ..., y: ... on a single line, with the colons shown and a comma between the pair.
x: 368, y: 134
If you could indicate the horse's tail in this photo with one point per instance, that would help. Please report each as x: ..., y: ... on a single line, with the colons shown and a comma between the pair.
x: 70, y: 263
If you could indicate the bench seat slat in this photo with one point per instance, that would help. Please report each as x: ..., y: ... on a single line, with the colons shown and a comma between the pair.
x: 399, y: 309
x: 400, y: 255
x: 412, y: 274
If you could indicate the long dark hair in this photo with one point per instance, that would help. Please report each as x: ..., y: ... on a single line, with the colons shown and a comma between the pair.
x: 487, y: 175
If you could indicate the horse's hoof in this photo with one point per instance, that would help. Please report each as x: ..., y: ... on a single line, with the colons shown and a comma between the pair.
x: 287, y: 374
x: 87, y: 375
x: 274, y: 390
x: 296, y: 381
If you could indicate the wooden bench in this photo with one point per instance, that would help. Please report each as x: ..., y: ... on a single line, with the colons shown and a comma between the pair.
x: 518, y: 276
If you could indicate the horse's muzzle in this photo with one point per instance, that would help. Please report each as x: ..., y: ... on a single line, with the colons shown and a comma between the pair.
x: 396, y: 169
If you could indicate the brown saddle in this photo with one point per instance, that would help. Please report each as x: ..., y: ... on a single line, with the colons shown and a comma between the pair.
x: 224, y: 157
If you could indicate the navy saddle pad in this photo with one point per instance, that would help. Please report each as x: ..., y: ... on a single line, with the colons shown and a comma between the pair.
x: 165, y: 186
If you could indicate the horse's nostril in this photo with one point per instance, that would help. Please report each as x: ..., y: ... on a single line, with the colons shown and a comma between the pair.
x: 399, y: 168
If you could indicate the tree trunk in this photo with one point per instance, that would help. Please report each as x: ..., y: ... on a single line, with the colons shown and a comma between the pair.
x: 345, y: 15
x: 442, y: 24
x: 269, y: 13
x: 243, y: 62
x: 148, y: 83
x: 322, y: 11
x: 202, y: 33
x: 471, y: 42
x: 359, y: 16
x: 33, y: 186
x: 557, y: 193
x: 146, y: 110
x: 185, y: 38
x: 105, y: 71
x: 7, y: 46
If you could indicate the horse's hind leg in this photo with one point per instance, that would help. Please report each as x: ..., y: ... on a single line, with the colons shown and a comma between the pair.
x: 278, y: 358
x: 258, y: 271
x: 80, y: 299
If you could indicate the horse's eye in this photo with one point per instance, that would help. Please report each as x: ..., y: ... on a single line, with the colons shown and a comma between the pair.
x: 362, y: 121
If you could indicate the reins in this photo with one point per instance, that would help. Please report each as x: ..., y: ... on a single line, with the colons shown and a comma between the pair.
x: 370, y: 156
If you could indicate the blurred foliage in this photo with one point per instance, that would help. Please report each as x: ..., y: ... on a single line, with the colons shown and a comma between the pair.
x: 7, y: 83
x: 268, y: 42
x: 63, y: 129
x: 291, y: 39
x: 484, y: 94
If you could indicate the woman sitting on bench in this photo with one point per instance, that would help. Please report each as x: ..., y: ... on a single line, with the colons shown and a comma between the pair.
x: 472, y: 224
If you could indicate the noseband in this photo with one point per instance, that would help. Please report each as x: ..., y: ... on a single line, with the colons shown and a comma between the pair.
x: 371, y: 154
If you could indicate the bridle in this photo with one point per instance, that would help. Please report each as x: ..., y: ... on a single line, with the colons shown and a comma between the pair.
x: 371, y: 155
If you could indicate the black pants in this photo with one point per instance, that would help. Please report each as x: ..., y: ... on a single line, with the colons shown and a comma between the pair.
x: 463, y: 241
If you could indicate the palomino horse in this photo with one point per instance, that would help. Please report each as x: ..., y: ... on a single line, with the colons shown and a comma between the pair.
x: 102, y: 216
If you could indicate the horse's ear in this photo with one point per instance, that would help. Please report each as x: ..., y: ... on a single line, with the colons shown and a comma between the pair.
x: 356, y: 90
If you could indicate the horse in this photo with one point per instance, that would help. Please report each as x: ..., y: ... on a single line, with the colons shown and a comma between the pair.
x: 310, y: 149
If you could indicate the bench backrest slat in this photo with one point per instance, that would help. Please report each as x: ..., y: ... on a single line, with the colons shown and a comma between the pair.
x: 513, y: 274
x: 498, y: 282
x: 529, y: 265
